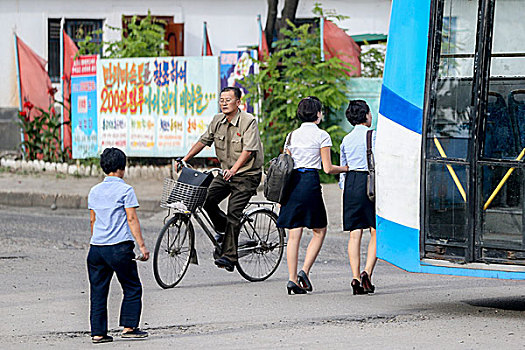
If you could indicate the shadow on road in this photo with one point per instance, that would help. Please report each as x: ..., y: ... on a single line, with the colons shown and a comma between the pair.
x: 515, y: 303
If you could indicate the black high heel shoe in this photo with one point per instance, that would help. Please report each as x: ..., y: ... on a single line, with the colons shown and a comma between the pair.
x: 304, y: 282
x: 292, y: 287
x: 365, y: 281
x: 356, y: 287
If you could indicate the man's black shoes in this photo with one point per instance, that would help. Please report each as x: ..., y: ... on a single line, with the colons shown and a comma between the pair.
x: 225, y: 263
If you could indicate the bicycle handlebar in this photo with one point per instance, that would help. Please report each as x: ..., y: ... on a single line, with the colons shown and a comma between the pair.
x: 218, y: 170
x: 182, y: 164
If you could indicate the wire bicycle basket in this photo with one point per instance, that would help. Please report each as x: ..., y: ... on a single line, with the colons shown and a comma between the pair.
x: 174, y: 192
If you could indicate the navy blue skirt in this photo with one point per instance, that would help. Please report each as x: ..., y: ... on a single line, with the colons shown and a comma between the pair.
x: 358, y: 211
x: 303, y: 205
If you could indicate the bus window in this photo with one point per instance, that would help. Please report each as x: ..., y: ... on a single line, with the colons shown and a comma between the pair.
x: 447, y: 220
x: 502, y: 217
x: 450, y: 120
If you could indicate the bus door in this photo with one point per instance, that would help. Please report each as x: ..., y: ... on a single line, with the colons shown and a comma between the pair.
x: 473, y: 170
x: 449, y: 128
x: 500, y: 235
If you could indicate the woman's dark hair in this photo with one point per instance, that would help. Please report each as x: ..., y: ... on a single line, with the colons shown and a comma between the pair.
x: 235, y: 89
x: 308, y: 108
x: 357, y: 111
x: 112, y: 159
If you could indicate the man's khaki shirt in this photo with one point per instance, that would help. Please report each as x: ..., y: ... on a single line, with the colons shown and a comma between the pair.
x: 231, y: 138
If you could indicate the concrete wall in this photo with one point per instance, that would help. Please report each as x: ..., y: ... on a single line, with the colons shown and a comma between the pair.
x: 9, y: 129
x: 367, y: 89
x: 231, y: 23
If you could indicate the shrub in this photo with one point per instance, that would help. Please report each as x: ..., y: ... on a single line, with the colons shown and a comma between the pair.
x: 293, y: 72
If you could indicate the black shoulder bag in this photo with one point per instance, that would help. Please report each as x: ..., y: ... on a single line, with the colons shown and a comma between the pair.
x: 371, y: 178
x: 278, y: 175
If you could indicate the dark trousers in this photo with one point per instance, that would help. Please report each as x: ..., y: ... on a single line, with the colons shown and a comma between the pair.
x: 240, y: 188
x: 102, y: 261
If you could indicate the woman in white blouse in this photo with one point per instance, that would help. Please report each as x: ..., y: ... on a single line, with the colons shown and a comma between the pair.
x: 309, y: 146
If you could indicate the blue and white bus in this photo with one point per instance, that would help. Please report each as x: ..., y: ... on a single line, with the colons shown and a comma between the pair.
x: 451, y: 139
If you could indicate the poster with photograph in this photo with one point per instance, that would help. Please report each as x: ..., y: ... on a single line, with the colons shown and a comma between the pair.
x: 84, y: 107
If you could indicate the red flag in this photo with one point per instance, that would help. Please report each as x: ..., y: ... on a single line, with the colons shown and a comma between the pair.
x: 206, y: 42
x: 35, y: 85
x: 339, y: 44
x: 263, y: 45
x: 69, y: 50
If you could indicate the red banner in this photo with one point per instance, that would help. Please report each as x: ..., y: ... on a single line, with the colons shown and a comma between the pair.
x: 84, y: 65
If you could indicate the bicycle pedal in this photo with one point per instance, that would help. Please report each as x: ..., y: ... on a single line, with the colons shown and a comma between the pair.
x: 194, y: 259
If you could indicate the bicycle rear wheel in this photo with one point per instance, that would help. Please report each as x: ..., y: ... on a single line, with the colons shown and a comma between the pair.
x: 172, y: 254
x: 261, y: 245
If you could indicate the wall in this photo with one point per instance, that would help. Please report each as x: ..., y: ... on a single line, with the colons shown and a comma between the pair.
x: 9, y: 129
x: 231, y: 23
x: 367, y: 89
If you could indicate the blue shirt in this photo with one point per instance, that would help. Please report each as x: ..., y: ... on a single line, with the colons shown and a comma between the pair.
x: 353, y: 150
x: 108, y: 200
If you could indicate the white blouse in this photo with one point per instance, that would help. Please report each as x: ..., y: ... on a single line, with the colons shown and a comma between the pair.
x: 305, y: 145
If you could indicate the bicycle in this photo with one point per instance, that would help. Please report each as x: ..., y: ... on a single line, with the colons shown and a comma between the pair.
x: 260, y: 244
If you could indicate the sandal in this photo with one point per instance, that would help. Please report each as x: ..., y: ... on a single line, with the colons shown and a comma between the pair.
x: 135, y: 333
x: 103, y: 339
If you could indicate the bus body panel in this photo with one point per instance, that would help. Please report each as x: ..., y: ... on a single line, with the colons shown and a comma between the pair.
x: 406, y: 55
x: 398, y: 143
x: 399, y: 246
x: 398, y: 149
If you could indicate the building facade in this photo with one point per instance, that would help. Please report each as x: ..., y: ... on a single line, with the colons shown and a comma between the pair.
x: 232, y: 24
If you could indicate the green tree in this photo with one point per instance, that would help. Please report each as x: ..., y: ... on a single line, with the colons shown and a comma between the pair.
x: 293, y: 72
x: 141, y: 38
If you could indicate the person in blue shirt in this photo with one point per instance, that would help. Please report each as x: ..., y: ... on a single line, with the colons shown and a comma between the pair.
x: 358, y: 210
x: 114, y: 224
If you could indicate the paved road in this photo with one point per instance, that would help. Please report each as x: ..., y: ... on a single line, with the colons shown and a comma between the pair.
x: 44, y: 299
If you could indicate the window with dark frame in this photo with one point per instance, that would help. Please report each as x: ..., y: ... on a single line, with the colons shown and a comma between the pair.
x: 174, y: 32
x: 76, y: 29
x: 53, y: 49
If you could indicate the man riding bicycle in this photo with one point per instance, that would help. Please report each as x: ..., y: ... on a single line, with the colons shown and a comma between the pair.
x: 239, y: 149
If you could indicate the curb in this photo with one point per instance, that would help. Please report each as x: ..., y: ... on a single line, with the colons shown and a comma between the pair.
x: 39, y: 166
x: 67, y: 201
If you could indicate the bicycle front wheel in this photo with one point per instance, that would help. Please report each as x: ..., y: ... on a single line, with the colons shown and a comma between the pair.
x: 172, y: 254
x: 261, y: 245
